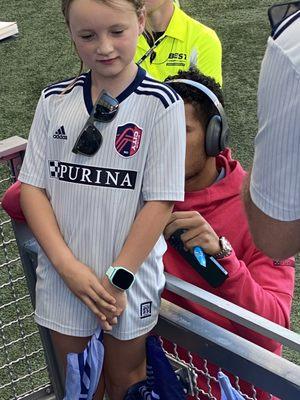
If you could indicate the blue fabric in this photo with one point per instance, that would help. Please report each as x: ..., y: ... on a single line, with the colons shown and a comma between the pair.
x: 84, y: 370
x: 227, y: 391
x: 32, y: 245
x: 161, y: 382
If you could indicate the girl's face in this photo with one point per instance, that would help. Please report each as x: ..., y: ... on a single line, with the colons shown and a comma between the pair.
x: 105, y: 36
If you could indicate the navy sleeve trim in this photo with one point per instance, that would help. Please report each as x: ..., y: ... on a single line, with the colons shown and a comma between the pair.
x: 167, y: 89
x: 154, y: 94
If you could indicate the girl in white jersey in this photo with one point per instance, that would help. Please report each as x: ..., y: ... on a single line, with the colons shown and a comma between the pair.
x: 100, y: 175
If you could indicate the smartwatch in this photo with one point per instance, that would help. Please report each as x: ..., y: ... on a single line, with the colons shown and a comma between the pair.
x: 120, y: 277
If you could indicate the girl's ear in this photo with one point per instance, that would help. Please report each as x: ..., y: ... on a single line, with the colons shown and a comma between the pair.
x: 142, y: 20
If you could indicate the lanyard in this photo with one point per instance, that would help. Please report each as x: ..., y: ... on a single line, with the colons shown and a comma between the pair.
x: 150, y: 52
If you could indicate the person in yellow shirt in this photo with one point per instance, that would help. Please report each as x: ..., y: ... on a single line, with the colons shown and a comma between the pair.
x: 177, y: 42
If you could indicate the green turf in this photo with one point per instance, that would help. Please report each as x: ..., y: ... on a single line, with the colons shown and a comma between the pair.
x: 43, y: 54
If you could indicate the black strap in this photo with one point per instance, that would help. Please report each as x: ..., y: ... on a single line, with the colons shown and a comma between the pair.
x: 151, y: 50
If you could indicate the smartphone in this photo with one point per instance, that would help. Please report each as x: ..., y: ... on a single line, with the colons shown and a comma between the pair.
x: 214, y: 273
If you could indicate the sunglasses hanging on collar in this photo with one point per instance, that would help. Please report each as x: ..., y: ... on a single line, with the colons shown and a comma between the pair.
x: 279, y: 12
x: 90, y: 138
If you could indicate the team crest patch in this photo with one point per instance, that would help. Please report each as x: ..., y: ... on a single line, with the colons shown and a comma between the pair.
x: 145, y: 309
x: 128, y: 139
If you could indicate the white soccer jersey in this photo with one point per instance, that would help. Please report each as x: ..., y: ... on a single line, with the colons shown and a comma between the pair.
x: 96, y: 199
x: 275, y: 183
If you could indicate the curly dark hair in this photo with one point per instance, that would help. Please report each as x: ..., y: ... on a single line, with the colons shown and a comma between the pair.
x: 204, y: 107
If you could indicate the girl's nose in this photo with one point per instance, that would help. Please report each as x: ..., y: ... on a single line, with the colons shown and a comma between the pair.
x: 104, y: 47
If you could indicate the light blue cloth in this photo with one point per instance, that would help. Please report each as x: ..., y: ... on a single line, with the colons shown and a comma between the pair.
x: 32, y: 245
x: 227, y: 391
x: 84, y: 370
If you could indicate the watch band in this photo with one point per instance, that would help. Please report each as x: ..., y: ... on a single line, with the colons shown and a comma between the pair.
x: 110, y: 271
x: 226, y: 248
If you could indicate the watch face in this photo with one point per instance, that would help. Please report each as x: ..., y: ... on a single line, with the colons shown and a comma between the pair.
x: 225, y: 246
x: 122, y: 279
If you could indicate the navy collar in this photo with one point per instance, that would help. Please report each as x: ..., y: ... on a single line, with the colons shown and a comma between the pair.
x: 141, y: 73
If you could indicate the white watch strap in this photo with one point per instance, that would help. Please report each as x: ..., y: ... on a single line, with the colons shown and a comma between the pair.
x: 110, y: 271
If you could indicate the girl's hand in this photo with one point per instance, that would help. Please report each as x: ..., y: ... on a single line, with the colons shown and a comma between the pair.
x: 84, y: 283
x: 198, y: 231
x: 119, y: 295
x: 121, y: 301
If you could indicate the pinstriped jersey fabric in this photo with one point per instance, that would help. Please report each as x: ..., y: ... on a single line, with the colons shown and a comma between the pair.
x: 96, y: 199
x: 275, y: 182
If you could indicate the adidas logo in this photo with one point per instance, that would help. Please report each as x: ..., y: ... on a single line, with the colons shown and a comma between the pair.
x: 60, y: 133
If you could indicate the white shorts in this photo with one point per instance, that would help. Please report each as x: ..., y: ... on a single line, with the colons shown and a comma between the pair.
x: 58, y: 309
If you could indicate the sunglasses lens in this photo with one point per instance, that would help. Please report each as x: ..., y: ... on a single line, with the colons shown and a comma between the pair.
x: 102, y: 114
x: 279, y: 12
x: 106, y: 108
x: 89, y: 142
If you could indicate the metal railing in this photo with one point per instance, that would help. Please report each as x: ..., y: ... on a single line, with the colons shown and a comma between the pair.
x: 28, y: 368
x: 228, y: 351
x: 23, y: 368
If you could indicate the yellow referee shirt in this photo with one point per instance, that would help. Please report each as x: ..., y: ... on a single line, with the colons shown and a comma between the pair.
x: 186, y: 42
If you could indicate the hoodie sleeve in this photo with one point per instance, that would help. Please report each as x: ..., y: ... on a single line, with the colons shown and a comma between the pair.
x: 11, y: 202
x: 265, y: 287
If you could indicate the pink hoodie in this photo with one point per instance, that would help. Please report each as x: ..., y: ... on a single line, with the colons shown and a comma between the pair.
x: 255, y: 282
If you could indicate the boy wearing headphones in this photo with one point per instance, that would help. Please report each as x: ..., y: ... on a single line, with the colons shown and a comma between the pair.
x: 213, y: 218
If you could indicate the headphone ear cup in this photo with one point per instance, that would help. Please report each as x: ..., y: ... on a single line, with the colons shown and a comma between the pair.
x: 224, y: 137
x: 213, y: 136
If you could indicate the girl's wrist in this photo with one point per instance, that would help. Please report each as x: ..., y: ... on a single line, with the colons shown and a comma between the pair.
x: 64, y: 262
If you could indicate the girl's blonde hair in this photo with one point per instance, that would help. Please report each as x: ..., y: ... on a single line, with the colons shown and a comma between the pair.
x: 138, y: 5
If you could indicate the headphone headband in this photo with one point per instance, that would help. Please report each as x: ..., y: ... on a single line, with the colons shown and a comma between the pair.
x: 204, y: 89
x: 220, y: 135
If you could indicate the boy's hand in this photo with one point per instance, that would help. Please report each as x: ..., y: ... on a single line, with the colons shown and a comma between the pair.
x: 198, y: 231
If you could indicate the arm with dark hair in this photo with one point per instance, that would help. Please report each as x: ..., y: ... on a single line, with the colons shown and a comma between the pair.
x: 277, y: 239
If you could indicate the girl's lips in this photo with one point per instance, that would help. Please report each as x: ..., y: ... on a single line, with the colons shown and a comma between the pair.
x: 108, y: 61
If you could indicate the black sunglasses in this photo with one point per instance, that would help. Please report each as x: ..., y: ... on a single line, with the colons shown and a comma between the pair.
x: 90, y: 139
x: 279, y: 12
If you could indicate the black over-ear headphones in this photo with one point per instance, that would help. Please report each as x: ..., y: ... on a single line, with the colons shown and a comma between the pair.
x: 217, y: 130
